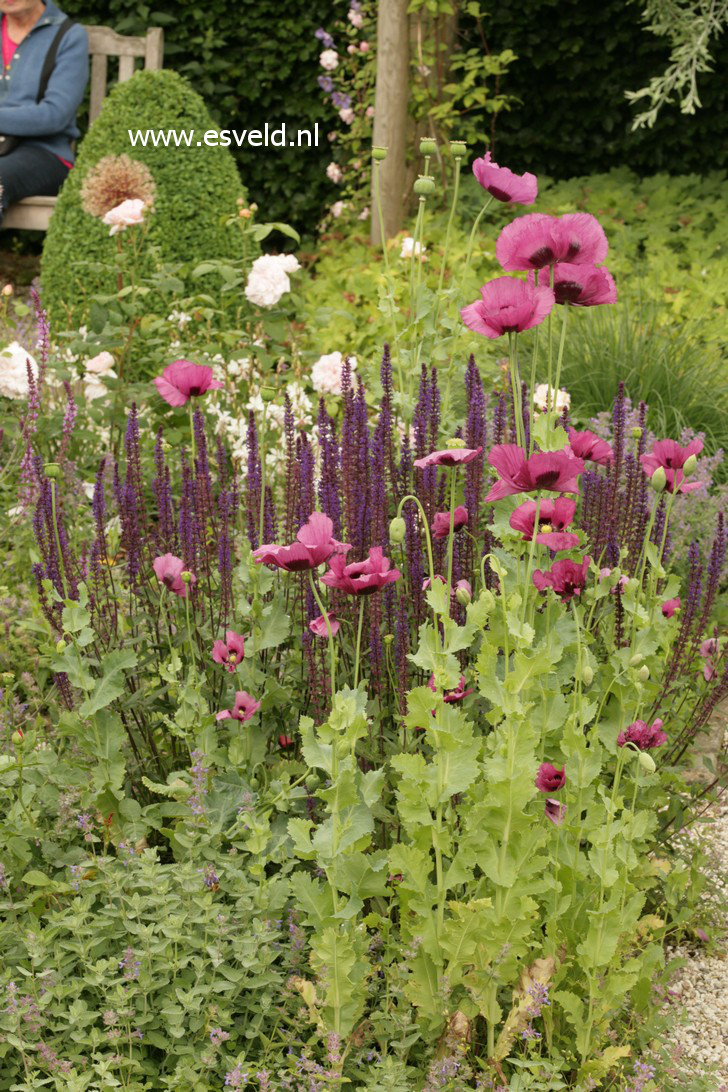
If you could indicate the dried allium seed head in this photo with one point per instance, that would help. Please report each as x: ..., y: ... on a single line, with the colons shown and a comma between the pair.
x: 114, y: 179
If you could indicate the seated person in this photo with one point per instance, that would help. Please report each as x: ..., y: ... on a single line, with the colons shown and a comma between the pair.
x: 40, y: 162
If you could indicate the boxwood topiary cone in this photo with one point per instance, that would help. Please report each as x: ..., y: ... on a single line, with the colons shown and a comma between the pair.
x: 196, y: 188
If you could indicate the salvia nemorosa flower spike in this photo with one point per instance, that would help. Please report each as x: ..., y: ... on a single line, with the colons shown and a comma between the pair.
x: 378, y: 500
x: 162, y: 489
x: 291, y: 491
x: 385, y: 423
x: 254, y: 481
x: 476, y: 435
x: 43, y: 336
x: 500, y: 420
x: 69, y: 420
x: 329, y: 498
x: 690, y: 613
x: 306, y: 493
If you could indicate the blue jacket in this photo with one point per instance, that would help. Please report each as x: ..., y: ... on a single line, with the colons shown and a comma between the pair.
x: 51, y: 123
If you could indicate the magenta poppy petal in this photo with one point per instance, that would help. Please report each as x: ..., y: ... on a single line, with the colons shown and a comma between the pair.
x: 170, y: 394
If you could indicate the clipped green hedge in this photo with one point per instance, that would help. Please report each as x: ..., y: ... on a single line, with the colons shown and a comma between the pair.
x: 196, y: 189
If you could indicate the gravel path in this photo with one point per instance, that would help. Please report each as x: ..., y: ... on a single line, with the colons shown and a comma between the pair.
x: 701, y: 987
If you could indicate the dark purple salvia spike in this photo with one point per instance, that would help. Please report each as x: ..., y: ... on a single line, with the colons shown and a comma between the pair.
x: 131, y: 530
x: 270, y: 517
x: 378, y: 506
x: 421, y: 418
x: 98, y: 502
x: 225, y: 557
x: 413, y: 553
x: 564, y: 421
x: 64, y: 689
x: 385, y: 424
x: 328, y: 491
x: 187, y: 529
x: 376, y: 651
x: 590, y: 484
x: 291, y: 482
x: 69, y: 420
x: 475, y: 436
x: 307, y: 494
x: 714, y: 571
x: 500, y: 420
x: 254, y: 482
x: 362, y: 513
x: 690, y: 612
x: 162, y: 489
x: 526, y: 413
x: 202, y: 469
x: 51, y: 613
x: 401, y: 653
x: 434, y: 409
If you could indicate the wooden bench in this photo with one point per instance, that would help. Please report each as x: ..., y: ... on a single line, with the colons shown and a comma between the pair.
x: 34, y: 213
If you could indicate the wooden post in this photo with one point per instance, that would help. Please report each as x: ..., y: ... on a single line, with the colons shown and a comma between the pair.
x: 390, y: 113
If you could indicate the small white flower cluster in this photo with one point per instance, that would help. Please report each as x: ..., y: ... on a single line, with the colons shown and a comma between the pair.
x: 541, y: 398
x: 409, y: 246
x: 268, y: 278
x: 179, y: 318
x: 326, y: 374
x: 98, y: 368
x: 329, y: 60
x: 127, y: 214
x: 334, y: 172
x: 235, y: 428
x: 14, y: 371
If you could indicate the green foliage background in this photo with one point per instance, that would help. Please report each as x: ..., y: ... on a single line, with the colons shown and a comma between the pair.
x: 196, y: 189
x: 575, y: 61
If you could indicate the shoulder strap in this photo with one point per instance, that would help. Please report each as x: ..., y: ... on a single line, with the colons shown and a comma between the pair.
x: 50, y: 58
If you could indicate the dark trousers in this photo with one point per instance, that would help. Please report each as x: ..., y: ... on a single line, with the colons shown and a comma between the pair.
x: 29, y: 171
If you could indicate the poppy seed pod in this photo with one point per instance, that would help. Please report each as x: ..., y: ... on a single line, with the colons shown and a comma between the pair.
x: 52, y: 470
x: 268, y: 394
x: 637, y: 432
x: 458, y: 148
x: 424, y: 186
x: 647, y: 762
x: 379, y: 153
x: 397, y: 531
x: 658, y: 481
x: 427, y: 146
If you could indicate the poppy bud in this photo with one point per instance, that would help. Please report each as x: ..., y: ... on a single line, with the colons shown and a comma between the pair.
x: 463, y: 597
x: 637, y: 432
x: 52, y: 470
x: 60, y: 645
x: 388, y: 638
x: 659, y: 479
x: 644, y: 673
x: 587, y: 675
x: 17, y: 737
x: 397, y: 530
x: 636, y: 660
x: 458, y: 148
x: 690, y: 463
x: 7, y: 290
x: 646, y: 761
x: 379, y: 153
x: 186, y: 575
x: 427, y: 146
x: 424, y: 186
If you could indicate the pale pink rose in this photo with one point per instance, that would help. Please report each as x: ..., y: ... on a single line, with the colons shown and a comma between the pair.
x: 127, y: 214
x: 326, y: 373
x: 337, y: 208
x: 364, y: 214
x: 356, y: 19
x: 347, y: 115
x: 329, y: 60
x: 351, y: 49
x: 364, y: 47
x: 334, y: 172
x: 370, y: 111
x: 101, y: 364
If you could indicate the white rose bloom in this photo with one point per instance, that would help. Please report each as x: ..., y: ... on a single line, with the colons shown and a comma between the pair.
x: 347, y: 115
x: 409, y: 245
x: 541, y: 394
x: 329, y: 60
x: 326, y: 372
x: 94, y: 386
x: 268, y: 279
x: 101, y: 364
x: 337, y: 208
x: 356, y: 18
x: 127, y: 214
x: 334, y: 172
x: 14, y: 371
